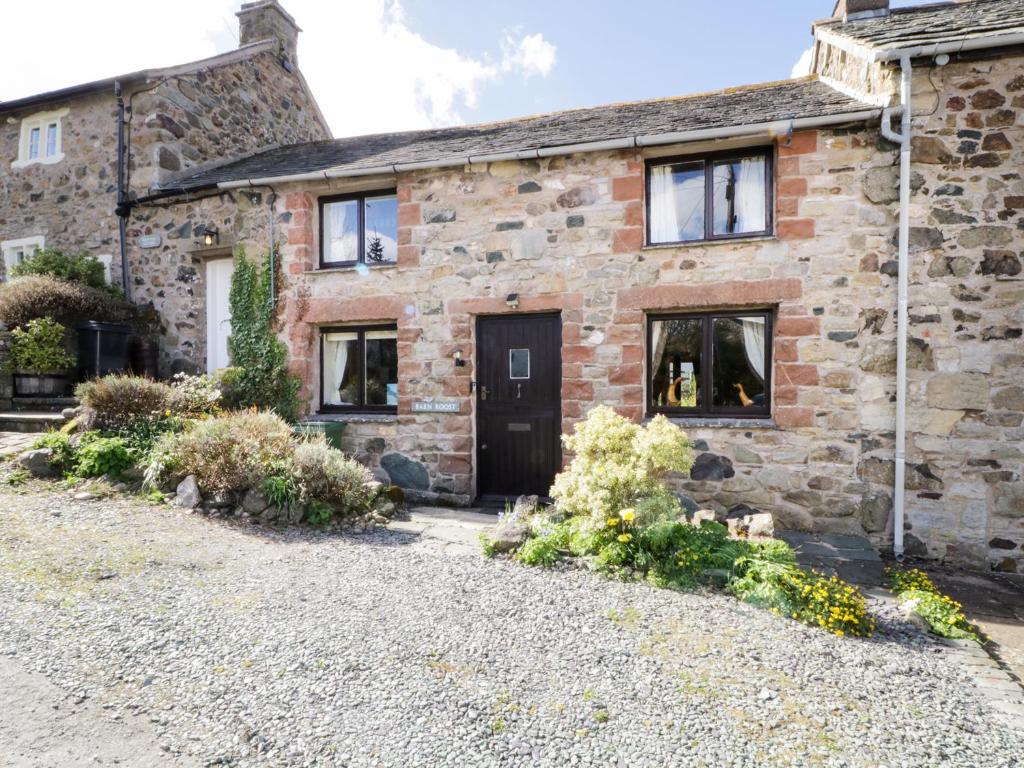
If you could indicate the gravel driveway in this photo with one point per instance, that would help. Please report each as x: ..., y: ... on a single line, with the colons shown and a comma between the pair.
x: 231, y: 645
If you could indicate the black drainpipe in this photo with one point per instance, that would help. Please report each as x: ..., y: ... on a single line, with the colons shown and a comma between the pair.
x: 124, y: 208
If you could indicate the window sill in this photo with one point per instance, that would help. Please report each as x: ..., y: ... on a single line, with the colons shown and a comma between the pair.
x: 350, y: 268
x: 50, y: 160
x: 705, y: 243
x: 353, y: 418
x: 720, y: 422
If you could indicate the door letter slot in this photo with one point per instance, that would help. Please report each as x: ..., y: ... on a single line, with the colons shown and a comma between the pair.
x: 518, y: 427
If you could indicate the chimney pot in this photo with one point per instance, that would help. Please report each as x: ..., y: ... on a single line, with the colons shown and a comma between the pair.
x: 267, y: 20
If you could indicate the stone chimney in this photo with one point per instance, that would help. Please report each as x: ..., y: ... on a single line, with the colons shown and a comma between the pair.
x: 850, y: 10
x: 267, y: 20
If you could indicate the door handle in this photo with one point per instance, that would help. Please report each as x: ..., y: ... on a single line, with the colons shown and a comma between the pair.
x: 519, y: 391
x: 484, y: 392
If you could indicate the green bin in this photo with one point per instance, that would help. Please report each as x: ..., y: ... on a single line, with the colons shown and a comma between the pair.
x: 332, y: 430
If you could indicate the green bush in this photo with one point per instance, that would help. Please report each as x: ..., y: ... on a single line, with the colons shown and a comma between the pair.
x: 75, y: 268
x: 617, y: 464
x: 60, y: 444
x: 96, y: 455
x: 326, y: 474
x: 231, y: 452
x: 27, y: 298
x: 281, y: 490
x: 263, y: 381
x: 539, y: 551
x: 38, y: 348
x: 943, y: 615
x: 120, y: 401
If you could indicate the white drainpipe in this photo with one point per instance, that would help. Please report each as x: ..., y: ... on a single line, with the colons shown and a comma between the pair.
x: 903, y: 139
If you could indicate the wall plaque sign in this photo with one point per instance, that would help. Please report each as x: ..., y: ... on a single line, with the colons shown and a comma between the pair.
x: 150, y: 241
x: 435, y: 406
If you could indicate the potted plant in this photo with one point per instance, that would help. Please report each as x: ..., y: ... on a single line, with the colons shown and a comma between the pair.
x: 39, y: 360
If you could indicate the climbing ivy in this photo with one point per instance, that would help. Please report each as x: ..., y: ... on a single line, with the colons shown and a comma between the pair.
x: 263, y: 380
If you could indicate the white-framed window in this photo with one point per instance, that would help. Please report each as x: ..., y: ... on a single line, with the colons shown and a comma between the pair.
x: 16, y: 251
x: 41, y: 139
x: 106, y: 260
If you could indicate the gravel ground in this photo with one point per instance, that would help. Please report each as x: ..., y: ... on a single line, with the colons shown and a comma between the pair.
x: 246, y: 647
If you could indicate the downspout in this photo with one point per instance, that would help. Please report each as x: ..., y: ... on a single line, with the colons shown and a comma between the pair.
x: 902, y: 279
x: 123, y: 209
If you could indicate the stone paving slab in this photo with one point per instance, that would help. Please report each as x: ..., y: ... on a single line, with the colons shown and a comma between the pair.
x: 12, y: 443
x: 444, y: 529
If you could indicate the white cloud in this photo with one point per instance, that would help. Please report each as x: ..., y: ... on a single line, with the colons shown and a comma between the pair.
x: 803, y: 64
x: 369, y: 70
x: 530, y: 54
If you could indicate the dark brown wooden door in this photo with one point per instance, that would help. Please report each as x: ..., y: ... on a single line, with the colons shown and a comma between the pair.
x: 519, y: 381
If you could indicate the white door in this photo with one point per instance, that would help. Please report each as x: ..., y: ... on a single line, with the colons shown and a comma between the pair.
x: 218, y: 312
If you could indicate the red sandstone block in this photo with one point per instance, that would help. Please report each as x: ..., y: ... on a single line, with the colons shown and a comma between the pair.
x: 572, y: 370
x: 571, y: 409
x: 792, y: 187
x: 787, y: 206
x: 627, y: 240
x: 797, y: 326
x: 571, y: 333
x: 298, y: 201
x: 632, y: 353
x: 631, y: 412
x: 455, y: 463
x: 409, y: 334
x: 462, y: 444
x: 577, y: 389
x: 787, y: 166
x: 797, y: 374
x: 634, y: 214
x: 628, y: 187
x: 793, y: 416
x: 404, y: 194
x: 404, y: 235
x: 785, y: 351
x: 300, y: 236
x: 408, y: 214
x: 297, y: 268
x: 578, y: 354
x: 409, y: 255
x: 785, y: 395
x: 686, y: 295
x: 800, y: 143
x: 624, y: 374
x: 795, y: 229
x: 301, y: 218
x: 633, y: 395
x: 634, y: 167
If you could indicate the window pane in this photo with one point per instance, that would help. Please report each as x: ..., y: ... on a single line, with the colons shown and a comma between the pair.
x: 676, y: 362
x: 381, y: 229
x: 341, y: 369
x: 677, y: 202
x: 738, y: 355
x: 382, y: 368
x: 51, y: 140
x: 519, y: 363
x: 341, y: 231
x: 739, y: 198
x: 33, y: 144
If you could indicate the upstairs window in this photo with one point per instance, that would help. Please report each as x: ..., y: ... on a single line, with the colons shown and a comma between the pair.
x: 41, y: 139
x: 359, y: 369
x: 16, y: 251
x: 710, y: 364
x: 359, y: 229
x: 709, y: 197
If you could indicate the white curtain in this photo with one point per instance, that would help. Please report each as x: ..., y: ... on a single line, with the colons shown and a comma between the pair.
x: 658, y: 339
x: 753, y: 343
x: 750, y: 195
x: 337, y: 364
x: 664, y: 212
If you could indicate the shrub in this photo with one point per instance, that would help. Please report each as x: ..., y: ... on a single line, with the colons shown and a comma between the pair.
x: 538, y: 551
x: 618, y: 463
x: 119, y: 401
x: 280, y: 490
x: 229, y: 382
x: 60, y: 444
x: 195, y: 395
x: 264, y: 380
x: 941, y: 613
x: 38, y: 348
x: 76, y: 268
x: 27, y: 298
x: 231, y: 452
x: 97, y: 455
x: 326, y: 474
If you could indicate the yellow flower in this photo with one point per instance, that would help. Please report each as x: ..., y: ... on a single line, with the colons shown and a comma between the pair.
x: 627, y: 514
x: 612, y: 522
x: 624, y: 537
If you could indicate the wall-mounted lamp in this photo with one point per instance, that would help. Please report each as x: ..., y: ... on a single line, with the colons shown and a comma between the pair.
x: 512, y: 300
x: 209, y: 234
x: 457, y: 358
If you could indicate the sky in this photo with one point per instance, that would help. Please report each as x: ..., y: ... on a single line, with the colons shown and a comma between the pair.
x: 392, y: 65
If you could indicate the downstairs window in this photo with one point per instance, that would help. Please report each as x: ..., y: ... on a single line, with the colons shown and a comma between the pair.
x: 359, y: 369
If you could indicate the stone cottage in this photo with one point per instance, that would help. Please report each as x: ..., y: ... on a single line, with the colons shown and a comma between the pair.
x: 75, y: 163
x: 734, y: 260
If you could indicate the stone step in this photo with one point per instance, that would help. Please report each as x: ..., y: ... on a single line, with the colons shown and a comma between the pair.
x: 30, y: 421
x: 42, y: 404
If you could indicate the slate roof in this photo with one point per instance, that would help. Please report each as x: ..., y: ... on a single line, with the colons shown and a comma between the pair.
x: 930, y: 24
x: 768, y: 102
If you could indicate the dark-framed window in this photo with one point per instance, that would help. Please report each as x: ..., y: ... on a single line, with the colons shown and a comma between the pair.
x: 710, y: 363
x: 718, y: 196
x: 359, y: 228
x: 359, y: 369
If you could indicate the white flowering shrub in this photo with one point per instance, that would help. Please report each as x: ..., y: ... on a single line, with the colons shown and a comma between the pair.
x: 618, y: 464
